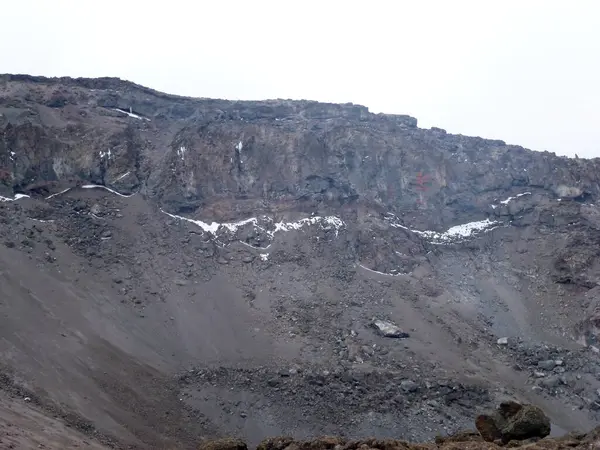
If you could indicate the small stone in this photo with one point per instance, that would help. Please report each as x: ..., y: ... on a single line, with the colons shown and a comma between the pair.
x: 550, y: 382
x: 409, y: 386
x: 546, y: 365
x: 243, y: 415
x: 502, y: 341
x: 273, y: 382
x: 539, y: 374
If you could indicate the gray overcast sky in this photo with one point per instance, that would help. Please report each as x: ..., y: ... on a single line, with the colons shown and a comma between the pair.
x: 525, y: 71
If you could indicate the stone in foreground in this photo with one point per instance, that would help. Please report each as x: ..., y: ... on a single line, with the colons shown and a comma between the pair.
x: 513, y: 421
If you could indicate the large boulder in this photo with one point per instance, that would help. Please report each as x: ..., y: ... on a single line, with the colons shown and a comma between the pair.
x: 513, y: 421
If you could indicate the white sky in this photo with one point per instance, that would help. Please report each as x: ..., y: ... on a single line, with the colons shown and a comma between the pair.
x: 525, y: 71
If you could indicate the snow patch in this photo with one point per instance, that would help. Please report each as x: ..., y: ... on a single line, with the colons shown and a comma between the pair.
x: 181, y: 152
x: 458, y: 231
x: 233, y: 227
x: 17, y: 197
x: 239, y: 147
x: 12, y: 156
x: 264, y: 256
x: 333, y: 221
x: 209, y: 228
x: 107, y: 155
x: 505, y: 202
x: 98, y: 186
x: 454, y: 233
x: 131, y: 114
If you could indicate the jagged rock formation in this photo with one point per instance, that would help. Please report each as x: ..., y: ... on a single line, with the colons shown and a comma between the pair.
x: 197, y: 268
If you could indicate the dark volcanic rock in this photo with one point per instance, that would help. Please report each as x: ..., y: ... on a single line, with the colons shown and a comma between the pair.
x: 513, y: 421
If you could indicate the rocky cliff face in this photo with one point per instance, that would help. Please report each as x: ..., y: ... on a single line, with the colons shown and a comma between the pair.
x: 191, y: 153
x: 254, y: 250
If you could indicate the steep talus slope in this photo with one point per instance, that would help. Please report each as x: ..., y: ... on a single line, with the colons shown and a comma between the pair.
x: 190, y: 268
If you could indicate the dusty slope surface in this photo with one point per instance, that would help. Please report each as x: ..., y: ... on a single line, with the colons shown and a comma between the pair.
x: 193, y: 268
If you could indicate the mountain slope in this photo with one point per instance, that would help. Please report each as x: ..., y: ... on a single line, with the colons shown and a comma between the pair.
x: 190, y: 268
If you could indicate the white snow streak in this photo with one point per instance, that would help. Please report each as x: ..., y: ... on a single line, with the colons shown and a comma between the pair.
x: 17, y: 197
x: 454, y: 233
x: 123, y: 176
x: 382, y: 273
x: 463, y: 230
x: 181, y: 152
x: 505, y: 202
x: 130, y: 114
x: 253, y: 246
x: 336, y: 222
x: 209, y: 228
x: 232, y: 227
x: 94, y: 186
x: 58, y: 193
x: 239, y: 147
